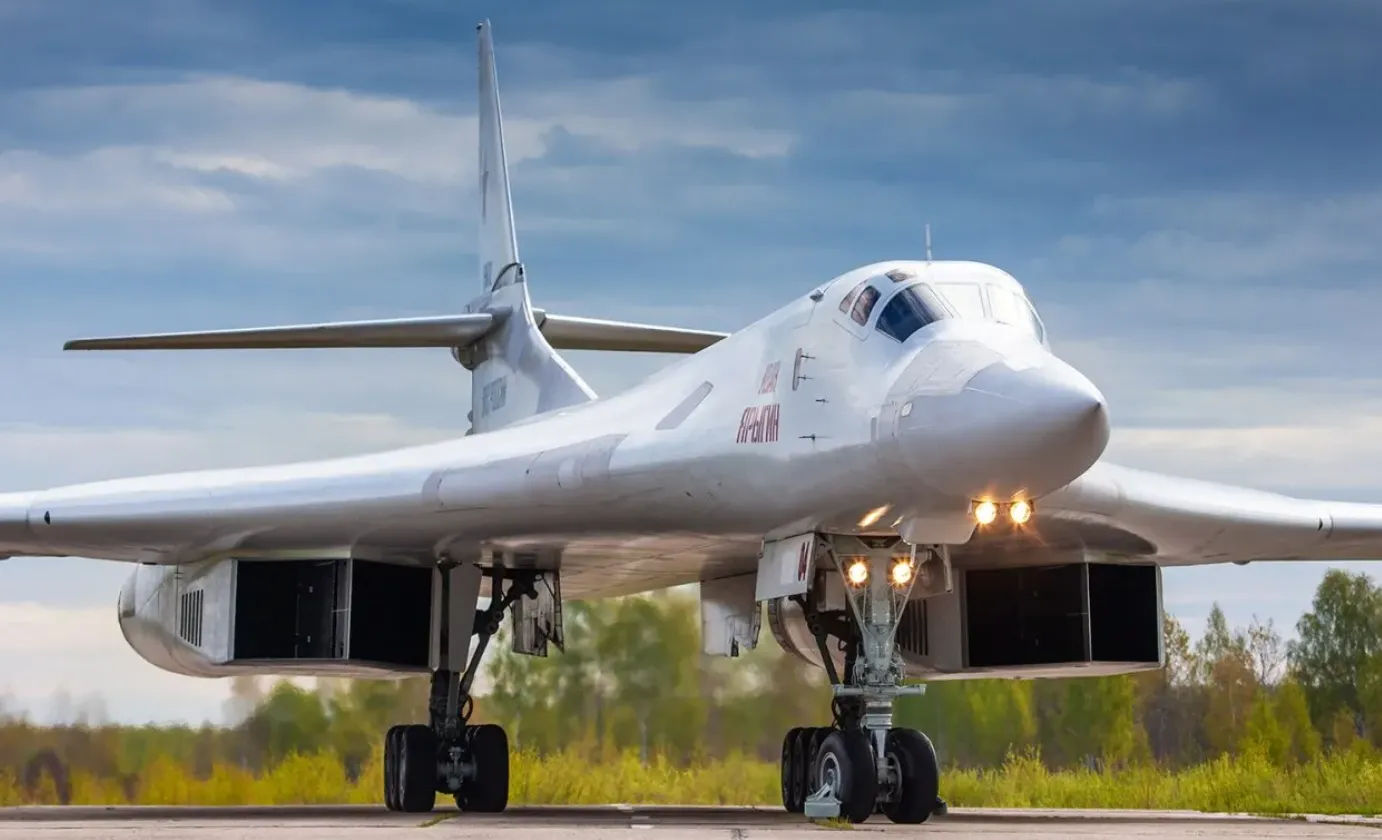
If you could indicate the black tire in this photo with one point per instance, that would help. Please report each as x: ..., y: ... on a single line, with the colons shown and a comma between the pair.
x: 488, y: 791
x: 816, y: 736
x: 417, y: 769
x: 391, y: 744
x: 792, y: 798
x: 846, y: 760
x: 919, y: 777
x: 802, y: 769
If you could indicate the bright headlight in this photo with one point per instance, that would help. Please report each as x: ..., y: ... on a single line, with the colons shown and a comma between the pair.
x: 985, y: 513
x: 857, y: 573
x: 1020, y: 512
x: 901, y: 573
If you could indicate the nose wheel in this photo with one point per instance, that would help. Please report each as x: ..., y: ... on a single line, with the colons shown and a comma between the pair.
x: 916, y: 773
x: 833, y: 773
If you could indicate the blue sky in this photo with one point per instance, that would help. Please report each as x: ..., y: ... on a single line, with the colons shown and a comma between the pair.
x: 1191, y: 192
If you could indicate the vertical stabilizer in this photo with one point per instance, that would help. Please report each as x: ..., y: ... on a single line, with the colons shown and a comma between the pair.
x: 515, y: 373
x: 498, y: 243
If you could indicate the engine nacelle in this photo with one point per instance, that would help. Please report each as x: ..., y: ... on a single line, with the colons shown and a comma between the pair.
x: 337, y: 617
x: 1075, y: 619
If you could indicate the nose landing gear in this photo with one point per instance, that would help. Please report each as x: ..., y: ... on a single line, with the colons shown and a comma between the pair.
x: 862, y: 764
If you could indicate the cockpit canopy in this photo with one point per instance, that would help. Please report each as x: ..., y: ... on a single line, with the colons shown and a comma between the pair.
x: 911, y: 303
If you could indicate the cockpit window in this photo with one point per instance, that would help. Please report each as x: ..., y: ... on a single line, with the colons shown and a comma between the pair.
x: 967, y: 299
x: 1010, y: 307
x: 1005, y: 307
x: 907, y: 312
x: 1033, y: 320
x: 849, y: 298
x: 863, y: 305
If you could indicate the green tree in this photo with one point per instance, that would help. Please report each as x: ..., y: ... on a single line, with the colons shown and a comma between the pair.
x: 1172, y: 701
x: 974, y: 722
x: 1089, y: 718
x: 1337, y: 638
x: 1293, y: 713
x: 1225, y: 668
x: 290, y: 720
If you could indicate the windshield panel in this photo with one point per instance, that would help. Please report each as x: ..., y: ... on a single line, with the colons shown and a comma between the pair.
x: 1013, y: 308
x: 967, y: 299
x: 908, y: 311
x: 1038, y: 328
x: 1005, y: 306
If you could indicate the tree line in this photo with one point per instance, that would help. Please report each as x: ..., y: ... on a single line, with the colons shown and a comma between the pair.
x: 633, y: 681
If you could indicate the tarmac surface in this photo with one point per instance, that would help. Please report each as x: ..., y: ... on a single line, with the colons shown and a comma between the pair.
x: 667, y: 822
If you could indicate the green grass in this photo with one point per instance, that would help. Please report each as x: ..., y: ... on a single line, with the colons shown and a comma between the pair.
x: 1347, y: 783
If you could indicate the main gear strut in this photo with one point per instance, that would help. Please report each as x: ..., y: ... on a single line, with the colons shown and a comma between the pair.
x: 448, y: 754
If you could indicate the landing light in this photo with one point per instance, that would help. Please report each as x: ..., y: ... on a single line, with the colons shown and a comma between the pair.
x: 1020, y: 512
x: 873, y: 516
x: 902, y: 572
x: 858, y: 572
x: 985, y: 513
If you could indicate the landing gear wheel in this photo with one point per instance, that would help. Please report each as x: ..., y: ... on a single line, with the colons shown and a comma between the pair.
x: 818, y: 734
x: 391, y: 741
x: 793, y: 799
x: 845, y: 763
x: 913, y: 758
x: 811, y: 741
x: 488, y: 790
x: 416, y: 769
x: 807, y: 741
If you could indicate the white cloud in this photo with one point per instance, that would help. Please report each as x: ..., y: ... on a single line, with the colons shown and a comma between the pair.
x: 1226, y: 337
x: 1344, y: 452
x: 35, y: 455
x: 279, y: 176
x: 102, y: 182
x: 281, y: 130
x: 1226, y: 237
x: 57, y: 662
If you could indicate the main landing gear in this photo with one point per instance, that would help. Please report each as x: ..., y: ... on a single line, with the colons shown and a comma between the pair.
x: 448, y: 754
x: 862, y: 764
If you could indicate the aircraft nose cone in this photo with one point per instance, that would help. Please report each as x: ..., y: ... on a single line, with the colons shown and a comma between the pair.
x: 1008, y: 432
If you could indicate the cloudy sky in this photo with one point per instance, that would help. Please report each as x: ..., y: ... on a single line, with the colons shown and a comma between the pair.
x: 1191, y: 192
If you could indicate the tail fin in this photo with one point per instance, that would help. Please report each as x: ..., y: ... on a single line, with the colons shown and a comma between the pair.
x: 516, y: 373
x: 498, y: 243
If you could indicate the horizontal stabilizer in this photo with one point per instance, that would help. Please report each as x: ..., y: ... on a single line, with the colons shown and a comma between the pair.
x: 566, y: 332
x: 561, y: 331
x: 437, y: 331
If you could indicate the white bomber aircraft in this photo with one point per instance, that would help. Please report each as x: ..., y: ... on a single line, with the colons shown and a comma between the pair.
x: 894, y: 463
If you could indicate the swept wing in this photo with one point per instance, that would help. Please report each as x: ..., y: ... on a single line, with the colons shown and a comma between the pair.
x: 1180, y: 521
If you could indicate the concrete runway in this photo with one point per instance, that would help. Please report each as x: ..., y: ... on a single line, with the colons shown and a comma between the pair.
x: 669, y: 823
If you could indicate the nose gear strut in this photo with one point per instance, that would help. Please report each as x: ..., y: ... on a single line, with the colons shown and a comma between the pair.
x: 862, y: 764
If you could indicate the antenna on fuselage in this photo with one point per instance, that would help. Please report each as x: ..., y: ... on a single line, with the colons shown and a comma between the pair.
x: 928, y: 242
